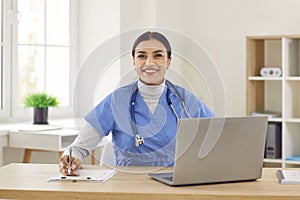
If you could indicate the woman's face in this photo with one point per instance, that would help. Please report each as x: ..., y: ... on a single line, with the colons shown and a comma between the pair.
x: 151, y: 61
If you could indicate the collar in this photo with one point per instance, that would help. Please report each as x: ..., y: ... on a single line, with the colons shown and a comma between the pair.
x: 151, y: 91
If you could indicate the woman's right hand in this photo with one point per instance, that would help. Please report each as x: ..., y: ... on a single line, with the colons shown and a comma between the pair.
x: 64, y: 166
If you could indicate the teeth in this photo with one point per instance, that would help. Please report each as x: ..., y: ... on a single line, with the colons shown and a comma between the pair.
x: 150, y: 70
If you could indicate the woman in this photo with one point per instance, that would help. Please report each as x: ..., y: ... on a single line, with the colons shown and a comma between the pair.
x: 141, y: 116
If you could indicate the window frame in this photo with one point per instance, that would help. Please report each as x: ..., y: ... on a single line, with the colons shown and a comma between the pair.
x: 6, y: 60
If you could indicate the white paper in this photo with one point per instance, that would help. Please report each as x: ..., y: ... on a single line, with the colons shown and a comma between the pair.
x: 88, y: 175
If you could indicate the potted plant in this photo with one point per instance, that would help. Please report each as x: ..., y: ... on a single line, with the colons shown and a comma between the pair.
x: 40, y: 102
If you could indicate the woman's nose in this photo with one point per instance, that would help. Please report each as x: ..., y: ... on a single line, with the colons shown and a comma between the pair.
x: 149, y: 61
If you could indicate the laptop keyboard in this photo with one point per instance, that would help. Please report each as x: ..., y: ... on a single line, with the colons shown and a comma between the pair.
x: 164, y: 177
x: 169, y: 178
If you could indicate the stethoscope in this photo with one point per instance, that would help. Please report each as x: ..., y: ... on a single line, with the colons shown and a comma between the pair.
x: 138, y: 139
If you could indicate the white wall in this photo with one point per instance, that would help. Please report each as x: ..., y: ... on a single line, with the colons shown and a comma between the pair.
x: 219, y: 26
x: 99, y: 21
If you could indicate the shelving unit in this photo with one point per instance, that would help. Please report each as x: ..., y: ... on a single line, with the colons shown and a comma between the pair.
x: 276, y: 94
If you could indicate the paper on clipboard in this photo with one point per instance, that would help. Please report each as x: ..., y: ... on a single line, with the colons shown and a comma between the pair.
x: 88, y: 175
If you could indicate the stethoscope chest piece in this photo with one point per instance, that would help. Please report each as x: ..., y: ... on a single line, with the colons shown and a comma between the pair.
x: 138, y: 140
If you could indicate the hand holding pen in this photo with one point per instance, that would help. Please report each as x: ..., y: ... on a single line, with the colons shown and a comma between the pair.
x: 69, y: 165
x: 70, y: 162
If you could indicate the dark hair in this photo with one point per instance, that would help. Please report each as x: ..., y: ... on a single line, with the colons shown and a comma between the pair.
x: 152, y: 35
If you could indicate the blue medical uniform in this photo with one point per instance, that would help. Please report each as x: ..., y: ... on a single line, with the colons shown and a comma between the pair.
x: 157, y: 129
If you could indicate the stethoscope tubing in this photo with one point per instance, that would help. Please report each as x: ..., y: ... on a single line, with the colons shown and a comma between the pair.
x: 133, y: 100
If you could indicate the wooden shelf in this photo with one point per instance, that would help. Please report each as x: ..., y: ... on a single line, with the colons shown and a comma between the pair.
x: 260, y: 78
x: 276, y: 94
x: 292, y: 162
x: 275, y: 120
x: 293, y: 78
x: 292, y: 120
x: 273, y: 160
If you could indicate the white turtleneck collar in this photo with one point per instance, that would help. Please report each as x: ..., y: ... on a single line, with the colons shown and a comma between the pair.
x: 151, y: 93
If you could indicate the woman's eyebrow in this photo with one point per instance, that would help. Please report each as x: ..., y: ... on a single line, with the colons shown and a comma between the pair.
x: 158, y: 51
x: 141, y: 52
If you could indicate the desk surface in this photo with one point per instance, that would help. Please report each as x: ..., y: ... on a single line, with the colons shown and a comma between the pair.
x: 27, y: 181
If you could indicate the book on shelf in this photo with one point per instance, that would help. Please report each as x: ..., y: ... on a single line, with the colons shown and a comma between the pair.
x: 269, y: 114
x: 294, y: 158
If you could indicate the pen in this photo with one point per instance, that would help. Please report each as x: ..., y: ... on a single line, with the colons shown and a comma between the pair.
x: 70, y: 161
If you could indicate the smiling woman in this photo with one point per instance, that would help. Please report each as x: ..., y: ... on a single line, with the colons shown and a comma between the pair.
x: 151, y: 57
x: 142, y: 116
x: 151, y: 62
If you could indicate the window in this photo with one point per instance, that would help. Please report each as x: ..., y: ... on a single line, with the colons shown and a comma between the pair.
x: 4, y: 59
x: 37, y: 53
x: 43, y: 51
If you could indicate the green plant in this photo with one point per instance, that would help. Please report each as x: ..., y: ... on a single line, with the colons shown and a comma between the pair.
x: 40, y: 100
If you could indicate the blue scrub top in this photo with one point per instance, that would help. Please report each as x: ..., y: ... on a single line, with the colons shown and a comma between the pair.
x: 157, y: 129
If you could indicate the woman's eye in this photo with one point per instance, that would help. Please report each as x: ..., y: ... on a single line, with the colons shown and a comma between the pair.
x: 158, y: 55
x: 141, y: 56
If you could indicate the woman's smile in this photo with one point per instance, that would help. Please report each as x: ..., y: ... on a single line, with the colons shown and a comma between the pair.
x: 150, y: 71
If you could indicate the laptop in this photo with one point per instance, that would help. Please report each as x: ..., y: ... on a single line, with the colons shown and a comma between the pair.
x: 217, y: 150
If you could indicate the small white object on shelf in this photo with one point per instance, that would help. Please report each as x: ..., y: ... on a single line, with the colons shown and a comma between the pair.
x: 270, y: 72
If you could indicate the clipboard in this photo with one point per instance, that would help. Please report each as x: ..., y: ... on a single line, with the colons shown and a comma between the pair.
x: 289, y: 176
x: 87, y: 175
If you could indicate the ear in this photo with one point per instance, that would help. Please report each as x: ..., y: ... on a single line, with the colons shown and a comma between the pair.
x: 169, y: 62
x: 133, y: 62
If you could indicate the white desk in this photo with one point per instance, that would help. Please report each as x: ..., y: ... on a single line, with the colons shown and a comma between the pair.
x: 52, y: 140
x: 3, y: 143
x: 49, y: 140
